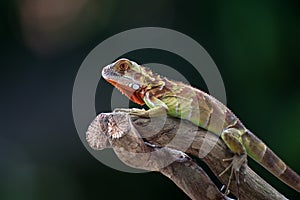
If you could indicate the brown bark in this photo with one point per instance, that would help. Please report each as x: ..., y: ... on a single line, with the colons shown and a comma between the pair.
x: 176, y: 136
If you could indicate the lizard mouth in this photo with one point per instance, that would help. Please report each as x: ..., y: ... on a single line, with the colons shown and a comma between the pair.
x: 107, y: 73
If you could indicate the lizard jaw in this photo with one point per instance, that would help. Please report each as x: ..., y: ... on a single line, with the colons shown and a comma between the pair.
x: 134, y: 95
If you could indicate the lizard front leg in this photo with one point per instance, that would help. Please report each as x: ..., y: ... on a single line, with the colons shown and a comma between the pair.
x: 232, y: 138
x: 157, y: 108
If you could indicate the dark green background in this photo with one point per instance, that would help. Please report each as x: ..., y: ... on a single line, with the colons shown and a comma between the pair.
x: 256, y: 46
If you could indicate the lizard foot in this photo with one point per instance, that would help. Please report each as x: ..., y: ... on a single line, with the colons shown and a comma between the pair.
x: 238, y: 163
x: 133, y: 111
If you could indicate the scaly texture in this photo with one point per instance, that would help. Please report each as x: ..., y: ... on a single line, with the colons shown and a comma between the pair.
x: 162, y: 95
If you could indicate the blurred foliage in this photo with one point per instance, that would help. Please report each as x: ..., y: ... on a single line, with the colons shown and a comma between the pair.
x: 255, y: 44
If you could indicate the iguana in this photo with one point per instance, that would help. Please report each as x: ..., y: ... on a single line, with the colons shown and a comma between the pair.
x: 180, y: 100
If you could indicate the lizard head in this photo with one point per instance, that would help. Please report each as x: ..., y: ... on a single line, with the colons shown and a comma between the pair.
x: 129, y: 77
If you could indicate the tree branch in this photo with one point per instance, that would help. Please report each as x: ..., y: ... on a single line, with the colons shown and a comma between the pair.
x: 171, y: 138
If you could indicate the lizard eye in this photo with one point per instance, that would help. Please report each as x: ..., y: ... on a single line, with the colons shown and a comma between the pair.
x: 123, y: 66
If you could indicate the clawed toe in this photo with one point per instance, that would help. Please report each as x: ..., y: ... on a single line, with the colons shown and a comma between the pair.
x: 132, y: 111
x: 238, y: 162
x: 127, y: 110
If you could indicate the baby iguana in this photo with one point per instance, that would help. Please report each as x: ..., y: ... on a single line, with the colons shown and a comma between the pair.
x: 177, y: 99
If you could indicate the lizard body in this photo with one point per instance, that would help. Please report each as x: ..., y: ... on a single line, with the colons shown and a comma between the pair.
x: 177, y: 99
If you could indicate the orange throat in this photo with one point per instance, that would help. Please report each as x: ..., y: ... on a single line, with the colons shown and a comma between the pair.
x: 134, y: 95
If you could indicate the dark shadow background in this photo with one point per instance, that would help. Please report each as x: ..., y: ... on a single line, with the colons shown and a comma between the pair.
x: 256, y: 46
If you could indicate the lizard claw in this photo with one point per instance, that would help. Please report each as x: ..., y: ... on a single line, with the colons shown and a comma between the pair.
x: 238, y: 162
x: 133, y: 111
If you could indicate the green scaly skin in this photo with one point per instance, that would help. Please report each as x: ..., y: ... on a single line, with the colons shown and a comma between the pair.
x: 177, y: 99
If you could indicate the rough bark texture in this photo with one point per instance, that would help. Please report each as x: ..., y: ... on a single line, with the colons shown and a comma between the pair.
x: 171, y: 137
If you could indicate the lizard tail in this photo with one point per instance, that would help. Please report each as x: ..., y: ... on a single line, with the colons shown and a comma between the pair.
x: 269, y: 160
